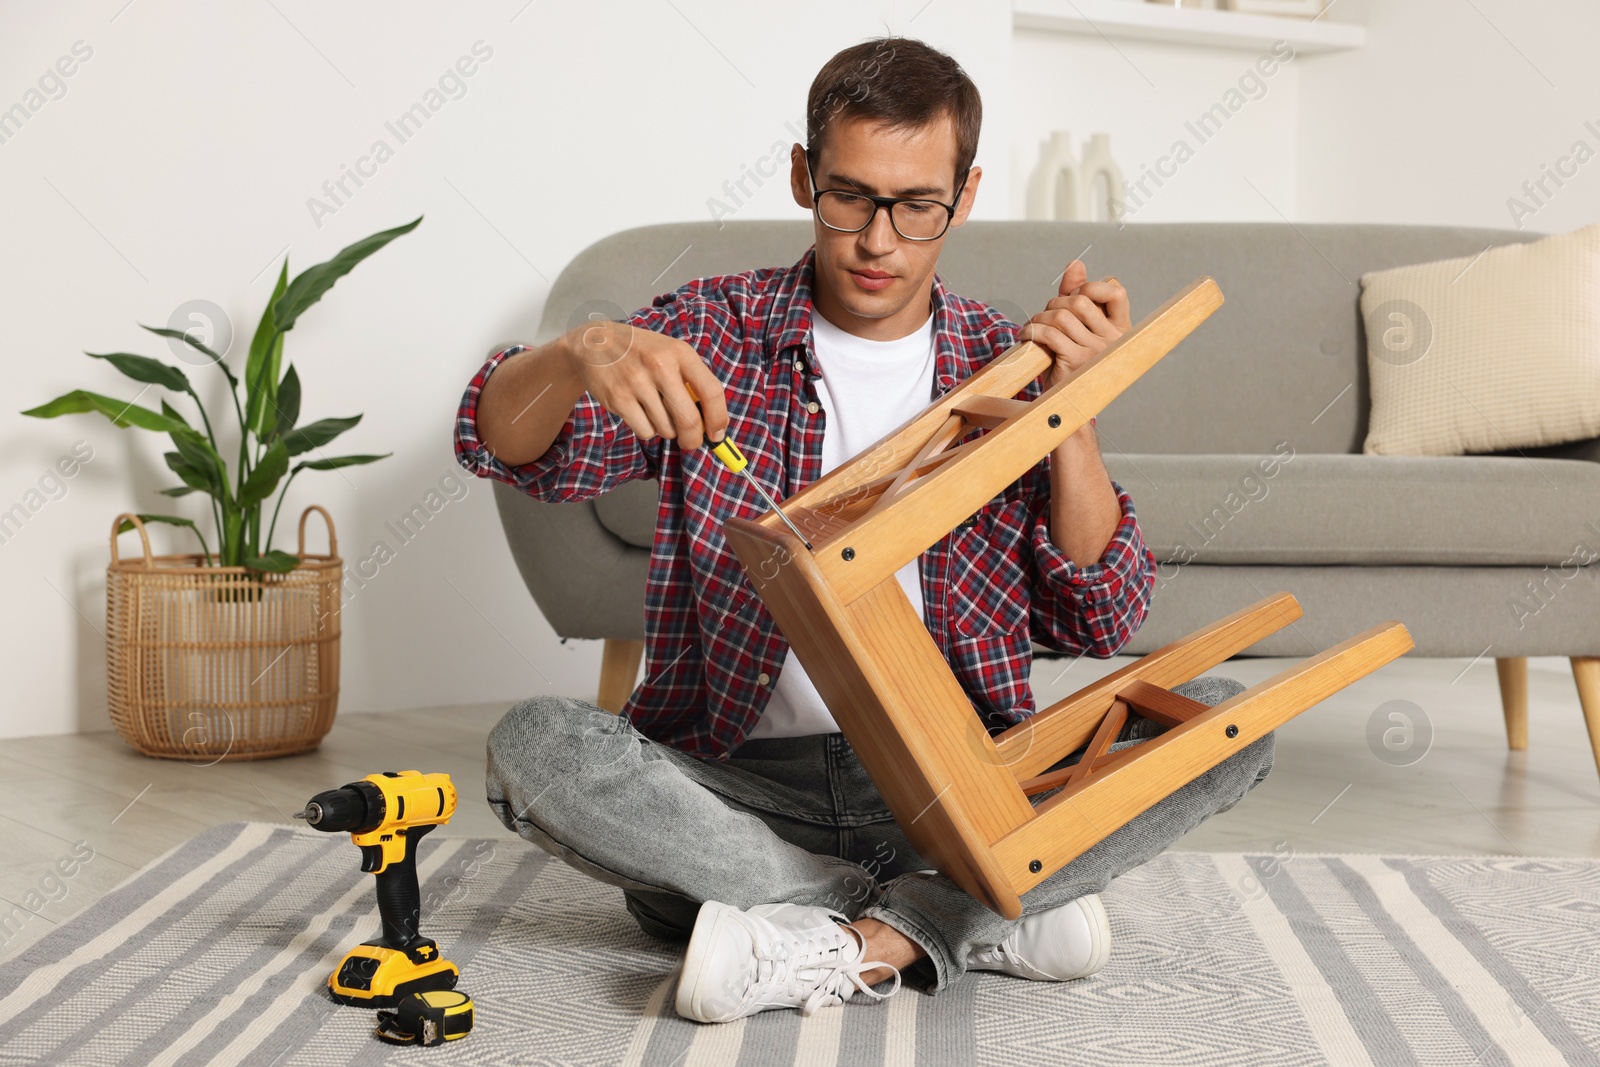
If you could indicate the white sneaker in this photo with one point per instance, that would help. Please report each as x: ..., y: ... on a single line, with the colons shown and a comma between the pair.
x: 772, y: 956
x: 1072, y: 941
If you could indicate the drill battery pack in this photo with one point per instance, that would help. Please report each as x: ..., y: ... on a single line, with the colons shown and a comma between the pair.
x: 373, y: 975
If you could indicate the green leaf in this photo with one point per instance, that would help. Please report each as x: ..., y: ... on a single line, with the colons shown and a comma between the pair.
x: 267, y: 338
x: 277, y: 561
x: 179, y: 335
x: 288, y: 402
x: 145, y: 369
x: 313, y: 282
x: 172, y: 413
x: 192, y: 477
x: 333, y: 463
x: 317, y: 434
x: 178, y: 490
x: 122, y: 413
x: 273, y: 466
x: 261, y: 368
x: 199, y: 465
x: 170, y: 520
x: 261, y: 387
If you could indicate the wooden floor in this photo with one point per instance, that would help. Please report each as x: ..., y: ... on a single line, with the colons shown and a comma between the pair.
x: 1329, y: 790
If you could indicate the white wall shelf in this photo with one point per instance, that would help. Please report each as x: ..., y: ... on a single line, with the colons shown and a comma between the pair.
x: 1207, y: 29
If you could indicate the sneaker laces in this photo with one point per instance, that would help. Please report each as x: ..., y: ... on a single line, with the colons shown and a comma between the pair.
x: 811, y: 968
x: 1002, y: 953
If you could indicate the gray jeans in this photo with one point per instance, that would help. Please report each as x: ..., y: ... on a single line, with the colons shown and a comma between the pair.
x: 789, y: 819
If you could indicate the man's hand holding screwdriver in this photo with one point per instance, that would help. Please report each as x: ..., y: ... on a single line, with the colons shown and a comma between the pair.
x: 634, y: 373
x: 655, y: 383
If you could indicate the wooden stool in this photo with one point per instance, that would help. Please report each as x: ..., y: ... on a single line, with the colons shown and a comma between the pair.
x: 960, y: 795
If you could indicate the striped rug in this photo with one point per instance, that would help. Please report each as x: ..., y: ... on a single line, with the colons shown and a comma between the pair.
x: 217, y: 954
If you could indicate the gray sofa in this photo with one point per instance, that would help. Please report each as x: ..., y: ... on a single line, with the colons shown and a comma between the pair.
x: 1448, y: 545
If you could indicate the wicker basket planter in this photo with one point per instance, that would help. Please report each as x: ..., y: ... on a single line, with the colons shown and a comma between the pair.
x: 222, y: 663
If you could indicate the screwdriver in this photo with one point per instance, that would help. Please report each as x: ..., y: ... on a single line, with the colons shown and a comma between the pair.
x: 728, y: 452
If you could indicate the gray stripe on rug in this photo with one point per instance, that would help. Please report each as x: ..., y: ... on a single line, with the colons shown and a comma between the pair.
x: 157, y: 987
x: 1462, y: 1018
x: 121, y: 902
x: 672, y: 1035
x: 82, y: 979
x: 1383, y: 1040
x: 299, y: 1023
x: 769, y: 1038
x: 1534, y: 1007
x: 947, y: 1025
x: 866, y: 1028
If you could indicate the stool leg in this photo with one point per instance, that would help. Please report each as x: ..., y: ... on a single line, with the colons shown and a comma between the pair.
x: 1586, y: 672
x: 1513, y: 672
x: 619, y: 669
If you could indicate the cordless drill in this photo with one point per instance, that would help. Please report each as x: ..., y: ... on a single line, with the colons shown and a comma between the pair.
x: 386, y: 815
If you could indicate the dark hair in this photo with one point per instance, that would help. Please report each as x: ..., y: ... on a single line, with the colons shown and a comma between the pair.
x: 902, y: 84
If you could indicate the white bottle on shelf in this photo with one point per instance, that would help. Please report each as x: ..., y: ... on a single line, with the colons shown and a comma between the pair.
x: 1055, y: 190
x: 1100, y: 182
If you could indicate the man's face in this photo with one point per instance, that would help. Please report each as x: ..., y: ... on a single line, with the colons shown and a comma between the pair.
x: 876, y: 280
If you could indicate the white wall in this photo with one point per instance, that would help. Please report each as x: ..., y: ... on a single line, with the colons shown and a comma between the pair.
x: 1449, y: 109
x: 179, y: 162
x: 178, y: 165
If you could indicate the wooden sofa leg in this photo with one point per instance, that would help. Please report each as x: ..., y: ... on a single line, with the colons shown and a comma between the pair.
x: 1513, y: 671
x: 619, y: 668
x: 1586, y: 672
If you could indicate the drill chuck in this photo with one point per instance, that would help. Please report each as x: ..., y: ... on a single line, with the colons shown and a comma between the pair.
x: 355, y: 808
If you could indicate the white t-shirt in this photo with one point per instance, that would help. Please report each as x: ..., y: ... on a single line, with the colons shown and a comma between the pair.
x: 867, y: 389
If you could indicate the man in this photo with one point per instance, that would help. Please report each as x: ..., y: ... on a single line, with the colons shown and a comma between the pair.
x: 723, y: 800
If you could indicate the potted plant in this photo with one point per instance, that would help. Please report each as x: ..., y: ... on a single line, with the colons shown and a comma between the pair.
x: 232, y: 654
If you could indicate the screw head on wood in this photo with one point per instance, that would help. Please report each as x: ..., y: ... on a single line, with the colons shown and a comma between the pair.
x: 848, y: 554
x: 1232, y: 731
x: 1055, y: 420
x: 1034, y: 866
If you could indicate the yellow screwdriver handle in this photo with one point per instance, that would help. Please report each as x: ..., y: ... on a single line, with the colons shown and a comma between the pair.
x: 730, y: 455
x: 725, y: 449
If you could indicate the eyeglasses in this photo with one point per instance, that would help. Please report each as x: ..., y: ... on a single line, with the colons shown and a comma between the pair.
x: 913, y: 218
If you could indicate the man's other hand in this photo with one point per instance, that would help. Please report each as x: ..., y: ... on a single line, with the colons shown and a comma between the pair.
x: 1080, y: 322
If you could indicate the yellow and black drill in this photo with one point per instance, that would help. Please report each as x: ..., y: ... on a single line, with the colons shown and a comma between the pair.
x: 386, y: 815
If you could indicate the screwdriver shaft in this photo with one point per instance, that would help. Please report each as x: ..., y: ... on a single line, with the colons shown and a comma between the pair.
x: 729, y: 455
x: 773, y: 504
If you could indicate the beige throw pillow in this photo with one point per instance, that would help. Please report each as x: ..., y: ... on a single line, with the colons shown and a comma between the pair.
x: 1486, y: 353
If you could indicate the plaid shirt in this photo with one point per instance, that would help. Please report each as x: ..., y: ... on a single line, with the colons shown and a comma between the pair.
x: 712, y: 652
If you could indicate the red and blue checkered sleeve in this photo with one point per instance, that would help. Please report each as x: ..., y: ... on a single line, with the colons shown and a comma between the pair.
x: 1096, y: 609
x: 595, y: 451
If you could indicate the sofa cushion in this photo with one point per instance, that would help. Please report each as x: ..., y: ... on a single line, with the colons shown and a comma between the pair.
x: 1338, y: 509
x: 1494, y: 351
x: 629, y: 511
